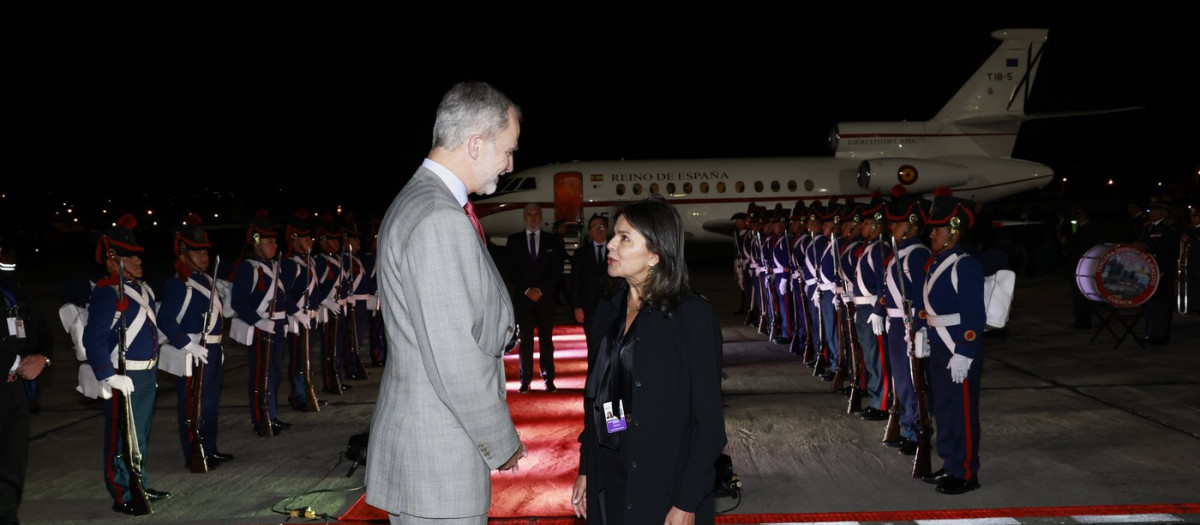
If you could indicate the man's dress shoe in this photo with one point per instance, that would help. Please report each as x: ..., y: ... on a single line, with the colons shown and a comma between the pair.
x: 873, y: 414
x: 217, y: 456
x: 936, y: 477
x: 281, y: 424
x: 127, y: 508
x: 909, y: 448
x: 550, y: 386
x: 524, y: 389
x: 275, y: 430
x: 155, y: 495
x: 953, y: 485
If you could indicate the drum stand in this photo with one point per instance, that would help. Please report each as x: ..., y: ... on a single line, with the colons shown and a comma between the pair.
x: 1114, y: 313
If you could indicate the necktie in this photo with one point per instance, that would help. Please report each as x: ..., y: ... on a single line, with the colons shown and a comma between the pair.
x: 599, y: 255
x: 532, y: 246
x: 474, y: 220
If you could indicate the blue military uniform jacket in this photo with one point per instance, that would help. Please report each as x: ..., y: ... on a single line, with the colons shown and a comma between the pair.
x: 954, y: 308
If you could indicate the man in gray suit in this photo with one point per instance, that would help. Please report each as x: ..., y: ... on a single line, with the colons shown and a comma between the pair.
x: 442, y: 424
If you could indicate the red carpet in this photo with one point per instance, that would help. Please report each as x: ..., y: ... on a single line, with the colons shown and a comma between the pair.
x: 549, y: 424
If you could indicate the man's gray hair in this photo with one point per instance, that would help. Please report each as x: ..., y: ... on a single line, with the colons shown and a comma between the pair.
x: 470, y: 108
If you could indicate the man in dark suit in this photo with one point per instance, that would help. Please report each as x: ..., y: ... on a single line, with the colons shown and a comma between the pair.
x: 535, y: 263
x: 589, y: 272
x: 1078, y: 243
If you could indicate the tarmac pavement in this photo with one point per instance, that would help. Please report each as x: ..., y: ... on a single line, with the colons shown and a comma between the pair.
x: 1067, y: 421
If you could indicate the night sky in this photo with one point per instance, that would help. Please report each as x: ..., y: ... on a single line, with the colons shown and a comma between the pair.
x: 179, y: 108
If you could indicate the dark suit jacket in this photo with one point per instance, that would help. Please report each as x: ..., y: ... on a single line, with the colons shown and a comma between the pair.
x: 543, y: 273
x: 677, y: 427
x: 589, y: 280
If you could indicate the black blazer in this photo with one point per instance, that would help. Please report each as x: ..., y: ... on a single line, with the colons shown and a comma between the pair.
x: 543, y: 273
x: 678, y: 428
x: 589, y: 280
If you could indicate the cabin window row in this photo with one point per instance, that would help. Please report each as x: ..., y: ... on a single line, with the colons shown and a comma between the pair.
x: 686, y: 188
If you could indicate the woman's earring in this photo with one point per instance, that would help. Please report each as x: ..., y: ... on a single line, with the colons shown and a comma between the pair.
x: 650, y: 271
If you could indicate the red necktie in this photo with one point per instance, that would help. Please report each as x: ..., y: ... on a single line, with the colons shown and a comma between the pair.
x: 474, y: 220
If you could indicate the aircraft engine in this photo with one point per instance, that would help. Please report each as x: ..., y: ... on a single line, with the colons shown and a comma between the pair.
x: 917, y: 175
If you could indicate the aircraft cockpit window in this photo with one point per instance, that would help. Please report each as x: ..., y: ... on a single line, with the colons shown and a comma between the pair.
x: 703, y: 187
x: 721, y: 186
x: 654, y: 188
x: 509, y: 184
x: 687, y: 188
x: 740, y: 187
x: 670, y: 188
x: 528, y: 183
x: 774, y: 186
x: 758, y: 186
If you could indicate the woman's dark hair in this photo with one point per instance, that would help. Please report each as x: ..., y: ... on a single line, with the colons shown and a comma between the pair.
x: 660, y: 224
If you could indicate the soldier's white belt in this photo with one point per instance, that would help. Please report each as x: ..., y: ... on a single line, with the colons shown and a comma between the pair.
x: 944, y: 320
x: 275, y: 316
x: 810, y: 282
x: 359, y: 297
x: 212, y: 340
x: 897, y: 313
x: 825, y: 287
x: 866, y: 299
x: 139, y: 365
x: 779, y: 270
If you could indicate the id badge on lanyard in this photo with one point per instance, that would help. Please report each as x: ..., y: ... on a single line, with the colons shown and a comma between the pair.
x: 614, y: 420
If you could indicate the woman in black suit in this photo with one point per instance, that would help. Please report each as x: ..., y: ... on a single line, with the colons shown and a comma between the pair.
x: 657, y: 350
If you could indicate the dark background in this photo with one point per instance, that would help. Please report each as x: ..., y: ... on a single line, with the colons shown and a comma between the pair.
x: 233, y: 107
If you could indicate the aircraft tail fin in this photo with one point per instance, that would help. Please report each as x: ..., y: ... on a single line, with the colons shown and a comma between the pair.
x: 996, y: 94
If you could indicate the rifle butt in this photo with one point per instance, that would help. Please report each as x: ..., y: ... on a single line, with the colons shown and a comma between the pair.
x: 855, y: 403
x: 891, y: 431
x: 312, y: 405
x: 198, y: 463
x: 921, y: 465
x: 839, y: 381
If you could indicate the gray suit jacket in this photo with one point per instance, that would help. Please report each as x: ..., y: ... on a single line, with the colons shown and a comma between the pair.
x: 441, y: 423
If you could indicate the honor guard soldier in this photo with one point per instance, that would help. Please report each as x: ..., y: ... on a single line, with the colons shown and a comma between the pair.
x: 868, y: 290
x: 953, y: 321
x: 330, y: 325
x: 779, y: 255
x: 798, y: 239
x: 299, y: 279
x: 122, y: 329
x: 814, y: 226
x: 354, y: 307
x: 848, y: 241
x: 23, y: 351
x: 904, y: 285
x: 260, y: 302
x: 1160, y: 239
x: 192, y: 324
x: 827, y: 271
x: 376, y: 338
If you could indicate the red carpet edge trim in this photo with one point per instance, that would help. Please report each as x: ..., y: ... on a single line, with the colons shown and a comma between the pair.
x: 902, y: 515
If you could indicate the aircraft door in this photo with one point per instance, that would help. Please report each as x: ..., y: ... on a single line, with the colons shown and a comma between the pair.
x: 568, y: 196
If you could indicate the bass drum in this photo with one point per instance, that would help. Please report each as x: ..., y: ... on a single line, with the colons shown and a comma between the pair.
x: 1122, y: 276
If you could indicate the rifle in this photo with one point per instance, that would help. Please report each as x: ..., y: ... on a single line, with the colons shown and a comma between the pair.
x: 263, y: 425
x: 753, y: 302
x: 352, y: 358
x: 855, y: 349
x: 130, y: 453
x: 329, y: 348
x: 921, y: 463
x: 839, y: 375
x: 199, y: 460
x: 310, y: 394
x: 766, y: 297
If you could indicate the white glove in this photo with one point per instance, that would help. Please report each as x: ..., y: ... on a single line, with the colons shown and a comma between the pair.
x: 302, y: 319
x: 817, y: 299
x: 876, y: 321
x: 920, y: 347
x: 197, y: 351
x: 119, y: 382
x: 958, y: 366
x: 265, y: 325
